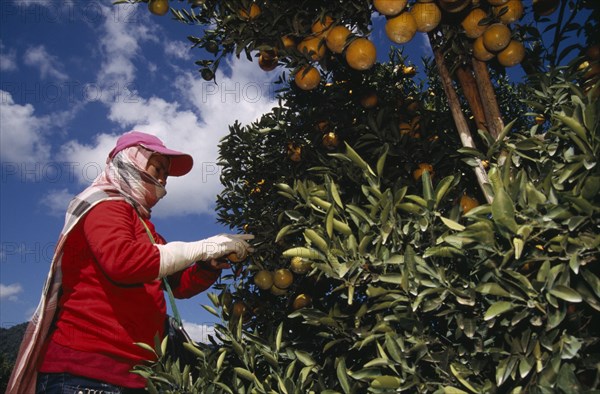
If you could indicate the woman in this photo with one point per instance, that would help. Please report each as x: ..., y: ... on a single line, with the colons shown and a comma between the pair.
x: 104, y: 291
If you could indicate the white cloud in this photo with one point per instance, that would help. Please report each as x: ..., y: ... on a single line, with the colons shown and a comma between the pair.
x: 120, y: 45
x: 244, y: 96
x: 193, y: 123
x: 20, y: 139
x: 8, y: 58
x: 28, y: 3
x: 178, y: 49
x: 199, y: 332
x: 56, y: 201
x: 10, y: 292
x: 47, y: 64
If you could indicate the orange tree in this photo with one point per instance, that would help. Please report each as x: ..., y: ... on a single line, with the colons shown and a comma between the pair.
x: 406, y: 238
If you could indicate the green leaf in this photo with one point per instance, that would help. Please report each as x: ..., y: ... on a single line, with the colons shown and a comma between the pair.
x: 281, y: 233
x: 211, y: 310
x: 244, y: 373
x: 329, y: 223
x: 278, y: 337
x: 503, y: 211
x: 355, y: 157
x: 492, y: 289
x: 453, y: 390
x: 386, y: 382
x: 220, y: 360
x: 442, y: 188
x: 566, y: 293
x: 497, y: 309
x: 460, y: 373
x: 451, y: 224
x: 304, y: 358
x: 335, y: 194
x: 147, y: 347
x: 427, y: 188
x: 592, y: 280
x: 342, y: 374
x: 391, y: 278
x: 307, y: 253
x: 381, y: 160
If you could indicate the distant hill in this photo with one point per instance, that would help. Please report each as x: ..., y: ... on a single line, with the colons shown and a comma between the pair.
x: 10, y: 340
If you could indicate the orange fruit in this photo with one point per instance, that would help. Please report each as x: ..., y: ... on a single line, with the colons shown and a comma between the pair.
x: 263, y: 279
x: 330, y: 140
x: 314, y: 47
x: 294, y: 152
x: 454, y: 6
x: 471, y: 23
x: 513, y: 13
x: 427, y: 16
x: 234, y: 258
x: 301, y: 301
x: 320, y: 26
x: 336, y: 38
x: 539, y: 119
x: 268, y: 60
x: 250, y: 13
x: 409, y: 71
x: 467, y: 203
x: 288, y: 42
x: 323, y: 126
x: 496, y: 37
x: 389, y: 7
x: 158, y: 7
x: 423, y: 167
x: 369, y: 99
x: 300, y: 266
x: 545, y: 7
x: 238, y: 309
x: 593, y: 52
x: 283, y: 278
x: 361, y: 54
x: 277, y: 291
x: 592, y: 71
x: 512, y: 55
x: 480, y: 52
x: 402, y: 28
x: 307, y: 78
x: 405, y: 128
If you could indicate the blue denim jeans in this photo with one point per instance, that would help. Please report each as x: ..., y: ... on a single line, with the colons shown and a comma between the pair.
x: 65, y: 383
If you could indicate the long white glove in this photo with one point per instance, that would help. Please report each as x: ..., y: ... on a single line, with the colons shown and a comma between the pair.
x: 175, y: 256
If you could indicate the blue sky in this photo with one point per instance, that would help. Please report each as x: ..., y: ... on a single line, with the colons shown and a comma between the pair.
x: 75, y: 75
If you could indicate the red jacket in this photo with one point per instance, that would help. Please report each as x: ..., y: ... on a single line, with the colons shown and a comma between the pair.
x: 111, y: 298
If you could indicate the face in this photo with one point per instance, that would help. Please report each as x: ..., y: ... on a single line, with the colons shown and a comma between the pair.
x: 158, y: 167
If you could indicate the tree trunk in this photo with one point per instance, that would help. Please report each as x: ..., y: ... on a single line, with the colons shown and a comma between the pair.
x: 488, y: 96
x: 470, y: 90
x: 460, y: 121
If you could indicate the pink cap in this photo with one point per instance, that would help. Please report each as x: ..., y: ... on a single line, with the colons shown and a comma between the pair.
x: 181, y: 163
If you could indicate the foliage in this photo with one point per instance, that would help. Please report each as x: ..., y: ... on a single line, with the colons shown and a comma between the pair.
x: 10, y: 340
x: 410, y: 292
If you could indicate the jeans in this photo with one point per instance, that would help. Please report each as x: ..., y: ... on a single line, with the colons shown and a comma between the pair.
x: 65, y: 383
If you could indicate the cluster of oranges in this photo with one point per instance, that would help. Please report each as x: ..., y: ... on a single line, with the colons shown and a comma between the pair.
x: 279, y: 281
x: 495, y: 39
x: 403, y: 23
x: 328, y: 36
